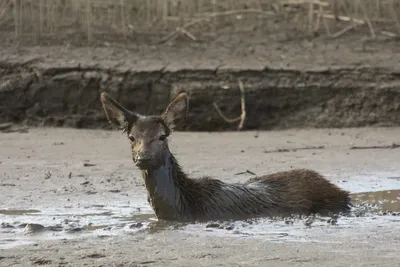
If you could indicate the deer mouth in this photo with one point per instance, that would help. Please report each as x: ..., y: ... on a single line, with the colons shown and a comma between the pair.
x: 143, y: 163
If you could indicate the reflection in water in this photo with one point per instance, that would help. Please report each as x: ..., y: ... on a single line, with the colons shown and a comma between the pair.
x: 386, y: 200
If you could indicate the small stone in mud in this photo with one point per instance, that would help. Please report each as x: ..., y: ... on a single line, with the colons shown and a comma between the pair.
x: 136, y: 225
x: 31, y: 228
x: 114, y: 191
x: 88, y: 164
x: 74, y: 229
x: 226, y: 226
x: 213, y: 225
x: 332, y: 221
x: 85, y: 183
x: 4, y: 126
x: 58, y: 143
x: 94, y: 256
x: 7, y: 184
x: 288, y: 221
x: 6, y: 225
x: 55, y: 228
x: 47, y: 175
x: 309, y: 221
x: 229, y: 227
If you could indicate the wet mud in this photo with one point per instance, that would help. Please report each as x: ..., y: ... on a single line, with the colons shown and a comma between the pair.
x: 54, y: 205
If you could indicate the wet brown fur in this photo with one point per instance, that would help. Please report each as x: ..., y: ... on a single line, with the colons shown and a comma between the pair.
x: 174, y: 196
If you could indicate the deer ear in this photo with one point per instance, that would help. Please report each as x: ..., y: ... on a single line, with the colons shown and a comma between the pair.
x: 116, y: 114
x: 176, y: 111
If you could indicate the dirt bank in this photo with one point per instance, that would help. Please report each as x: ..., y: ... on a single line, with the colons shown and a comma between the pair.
x: 276, y: 99
x: 298, y: 81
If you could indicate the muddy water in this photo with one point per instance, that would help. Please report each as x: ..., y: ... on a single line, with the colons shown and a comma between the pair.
x: 386, y: 201
x: 19, y: 227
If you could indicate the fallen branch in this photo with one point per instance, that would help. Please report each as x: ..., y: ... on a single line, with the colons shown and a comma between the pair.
x: 281, y: 150
x: 392, y: 146
x: 243, y: 106
x: 344, y: 30
x: 180, y: 29
x: 242, y: 117
x: 247, y: 171
x: 188, y: 34
x: 343, y: 18
x: 223, y: 116
x: 207, y: 17
x: 366, y: 17
x: 390, y: 34
x: 299, y: 2
x: 237, y: 12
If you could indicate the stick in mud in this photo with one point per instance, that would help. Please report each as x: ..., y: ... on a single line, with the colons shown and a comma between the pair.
x: 281, y: 150
x: 392, y: 146
x: 242, y: 117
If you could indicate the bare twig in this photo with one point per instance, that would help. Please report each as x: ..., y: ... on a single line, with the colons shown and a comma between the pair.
x: 243, y: 105
x: 239, y: 12
x: 390, y: 34
x: 298, y: 2
x: 344, y: 30
x: 4, y: 8
x: 371, y: 29
x: 394, y: 15
x: 245, y: 172
x: 188, y: 34
x: 242, y: 117
x: 208, y: 17
x: 392, y: 146
x: 310, y: 17
x: 223, y: 116
x: 281, y: 150
x: 179, y: 29
x: 343, y: 18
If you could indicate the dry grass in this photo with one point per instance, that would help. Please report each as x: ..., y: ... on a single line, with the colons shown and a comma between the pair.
x: 97, y: 19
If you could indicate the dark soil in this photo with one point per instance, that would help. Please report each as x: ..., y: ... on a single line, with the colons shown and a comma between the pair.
x: 290, y: 81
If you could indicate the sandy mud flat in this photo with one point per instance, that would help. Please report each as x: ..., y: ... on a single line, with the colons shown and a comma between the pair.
x: 73, y: 198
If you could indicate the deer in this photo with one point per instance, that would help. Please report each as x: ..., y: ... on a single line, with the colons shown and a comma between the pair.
x: 176, y: 197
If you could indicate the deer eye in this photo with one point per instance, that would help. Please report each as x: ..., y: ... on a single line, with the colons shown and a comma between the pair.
x: 131, y: 138
x: 162, y: 137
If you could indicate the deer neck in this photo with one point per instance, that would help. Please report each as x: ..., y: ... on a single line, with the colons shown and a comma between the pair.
x: 163, y: 187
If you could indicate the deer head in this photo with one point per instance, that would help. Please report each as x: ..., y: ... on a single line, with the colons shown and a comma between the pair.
x: 147, y: 134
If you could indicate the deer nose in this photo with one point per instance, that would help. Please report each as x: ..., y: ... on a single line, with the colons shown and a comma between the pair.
x: 142, y: 158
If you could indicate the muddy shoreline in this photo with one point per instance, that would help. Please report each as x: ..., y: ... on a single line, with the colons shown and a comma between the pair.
x: 38, y: 95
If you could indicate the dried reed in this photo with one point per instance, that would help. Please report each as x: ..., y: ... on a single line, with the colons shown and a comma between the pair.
x: 99, y: 18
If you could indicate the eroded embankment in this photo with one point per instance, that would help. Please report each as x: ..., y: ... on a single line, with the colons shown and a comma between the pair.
x: 276, y: 98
